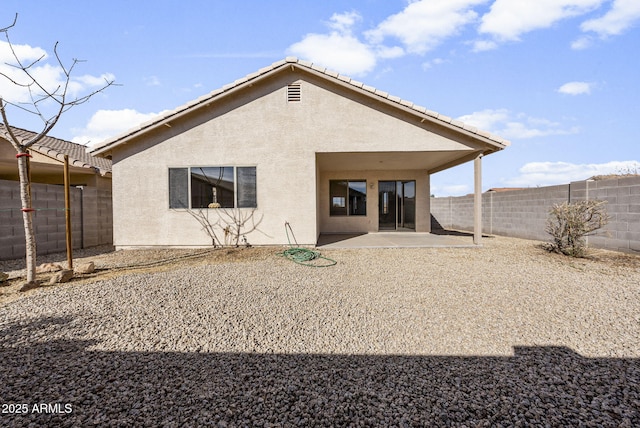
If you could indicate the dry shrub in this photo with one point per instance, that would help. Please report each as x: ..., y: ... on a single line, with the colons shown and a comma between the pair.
x: 570, y: 223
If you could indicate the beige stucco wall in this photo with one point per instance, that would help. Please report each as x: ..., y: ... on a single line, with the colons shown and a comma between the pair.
x: 257, y: 127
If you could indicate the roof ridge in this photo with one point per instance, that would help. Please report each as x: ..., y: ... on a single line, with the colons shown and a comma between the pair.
x: 292, y: 60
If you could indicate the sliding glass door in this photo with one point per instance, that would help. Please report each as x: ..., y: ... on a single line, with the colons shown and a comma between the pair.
x: 387, y: 205
x: 397, y: 205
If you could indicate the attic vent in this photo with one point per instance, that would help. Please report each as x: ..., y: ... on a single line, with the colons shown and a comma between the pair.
x: 294, y: 94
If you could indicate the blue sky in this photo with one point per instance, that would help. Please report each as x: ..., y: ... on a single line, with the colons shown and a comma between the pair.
x: 558, y: 78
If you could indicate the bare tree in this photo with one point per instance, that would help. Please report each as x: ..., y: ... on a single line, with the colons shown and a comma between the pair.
x: 233, y: 223
x: 41, y: 99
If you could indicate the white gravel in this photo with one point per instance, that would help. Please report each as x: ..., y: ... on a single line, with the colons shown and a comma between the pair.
x: 501, y: 335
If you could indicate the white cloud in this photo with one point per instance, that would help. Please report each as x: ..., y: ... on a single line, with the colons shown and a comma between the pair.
x: 50, y: 76
x: 389, y: 52
x: 81, y: 85
x: 424, y: 24
x: 581, y: 43
x: 344, y: 22
x: 484, y: 45
x: 342, y: 53
x: 47, y: 74
x: 339, y: 50
x: 515, y: 126
x: 420, y: 27
x: 575, y: 88
x: 550, y: 173
x: 487, y: 119
x: 508, y: 19
x: 105, y: 124
x: 434, y: 62
x: 622, y: 15
x: 25, y: 52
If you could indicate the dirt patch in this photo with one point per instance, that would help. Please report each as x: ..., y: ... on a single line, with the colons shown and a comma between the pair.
x: 110, y: 264
x: 615, y: 258
x: 596, y: 257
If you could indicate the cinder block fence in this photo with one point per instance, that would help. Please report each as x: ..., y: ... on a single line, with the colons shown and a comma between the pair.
x: 523, y: 213
x: 91, y: 218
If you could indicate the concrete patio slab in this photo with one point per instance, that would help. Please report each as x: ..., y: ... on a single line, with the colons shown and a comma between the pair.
x: 396, y: 240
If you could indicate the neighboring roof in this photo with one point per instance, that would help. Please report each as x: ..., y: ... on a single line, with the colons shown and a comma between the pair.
x: 504, y: 189
x: 56, y: 148
x: 498, y: 142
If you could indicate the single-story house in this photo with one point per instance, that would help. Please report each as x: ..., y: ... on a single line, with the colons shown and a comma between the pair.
x: 292, y: 142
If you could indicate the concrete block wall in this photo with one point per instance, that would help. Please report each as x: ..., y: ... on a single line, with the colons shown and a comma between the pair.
x: 623, y: 206
x: 11, y: 226
x: 105, y: 217
x: 523, y: 213
x: 91, y: 220
x: 97, y: 218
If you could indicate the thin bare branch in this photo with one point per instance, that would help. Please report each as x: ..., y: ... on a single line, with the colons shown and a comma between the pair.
x: 13, y: 81
x: 59, y: 95
x: 15, y: 19
x: 208, y: 227
x: 38, y: 95
x: 21, y: 107
x: 61, y: 64
x: 21, y: 66
x: 13, y: 140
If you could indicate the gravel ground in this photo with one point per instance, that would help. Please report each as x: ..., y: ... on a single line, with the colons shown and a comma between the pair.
x: 502, y: 335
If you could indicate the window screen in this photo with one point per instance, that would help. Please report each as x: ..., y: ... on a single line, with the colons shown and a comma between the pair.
x: 246, y: 187
x: 178, y: 187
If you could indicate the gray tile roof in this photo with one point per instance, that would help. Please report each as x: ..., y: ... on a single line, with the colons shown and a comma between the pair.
x: 328, y: 74
x: 57, y: 148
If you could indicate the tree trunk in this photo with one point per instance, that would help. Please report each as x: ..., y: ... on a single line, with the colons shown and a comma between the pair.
x: 27, y: 216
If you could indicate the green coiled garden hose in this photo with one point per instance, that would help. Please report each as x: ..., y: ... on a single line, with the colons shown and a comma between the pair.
x: 303, y: 256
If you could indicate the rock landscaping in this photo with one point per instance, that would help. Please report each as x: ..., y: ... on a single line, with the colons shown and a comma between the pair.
x: 503, y: 335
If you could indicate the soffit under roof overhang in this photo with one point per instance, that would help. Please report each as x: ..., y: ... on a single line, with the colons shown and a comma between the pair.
x: 428, y: 161
x: 44, y: 172
x: 476, y: 139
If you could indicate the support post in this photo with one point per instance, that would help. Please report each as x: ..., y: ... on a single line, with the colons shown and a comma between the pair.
x: 67, y: 212
x: 477, y: 200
